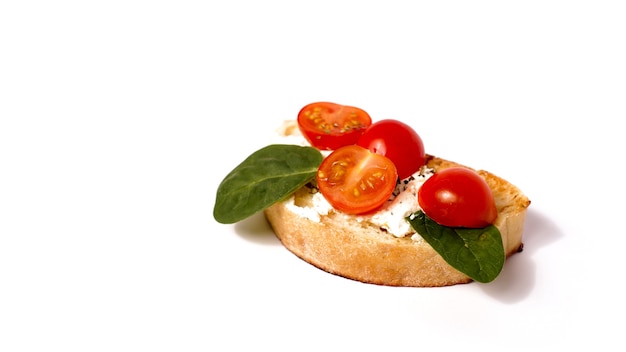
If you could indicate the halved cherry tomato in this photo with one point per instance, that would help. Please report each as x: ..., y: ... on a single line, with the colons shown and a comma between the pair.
x: 397, y: 141
x: 329, y: 126
x: 356, y: 181
x: 458, y: 197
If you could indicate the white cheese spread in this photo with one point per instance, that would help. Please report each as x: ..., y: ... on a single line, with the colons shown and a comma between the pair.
x: 319, y: 207
x: 391, y: 217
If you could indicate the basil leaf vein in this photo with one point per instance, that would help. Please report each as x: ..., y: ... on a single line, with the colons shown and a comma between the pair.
x: 264, y: 178
x: 478, y: 253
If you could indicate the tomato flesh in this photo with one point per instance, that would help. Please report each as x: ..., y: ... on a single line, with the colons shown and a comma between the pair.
x: 356, y: 181
x: 328, y: 126
x: 458, y: 197
x: 397, y: 141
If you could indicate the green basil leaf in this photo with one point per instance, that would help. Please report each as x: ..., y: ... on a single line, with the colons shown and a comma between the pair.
x: 478, y: 253
x: 265, y: 177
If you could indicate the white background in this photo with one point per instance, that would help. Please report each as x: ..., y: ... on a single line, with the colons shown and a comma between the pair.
x: 118, y: 120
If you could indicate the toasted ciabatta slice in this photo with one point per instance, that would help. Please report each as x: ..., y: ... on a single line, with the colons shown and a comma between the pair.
x: 347, y: 246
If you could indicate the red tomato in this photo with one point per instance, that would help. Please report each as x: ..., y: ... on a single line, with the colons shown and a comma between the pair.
x: 355, y: 180
x: 397, y: 141
x: 458, y: 197
x: 329, y: 126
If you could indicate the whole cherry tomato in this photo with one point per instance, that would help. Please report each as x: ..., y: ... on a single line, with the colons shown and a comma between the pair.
x: 397, y: 141
x: 356, y: 181
x: 328, y: 126
x: 458, y: 197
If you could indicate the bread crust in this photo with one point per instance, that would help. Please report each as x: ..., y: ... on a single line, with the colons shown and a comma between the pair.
x: 363, y: 252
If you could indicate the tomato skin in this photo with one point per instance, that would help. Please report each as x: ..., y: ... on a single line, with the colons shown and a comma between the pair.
x: 356, y: 181
x: 458, y: 197
x: 397, y: 141
x: 328, y: 126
